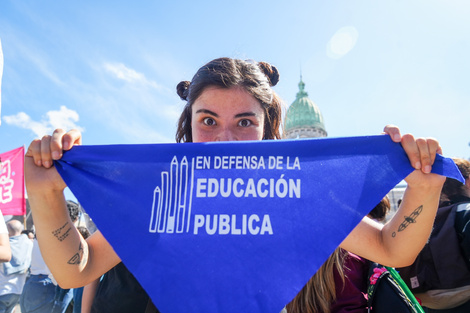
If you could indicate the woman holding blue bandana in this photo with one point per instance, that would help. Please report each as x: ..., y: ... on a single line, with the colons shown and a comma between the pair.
x: 227, y: 100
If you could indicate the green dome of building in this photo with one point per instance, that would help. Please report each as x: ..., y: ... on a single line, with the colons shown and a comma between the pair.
x: 304, y: 119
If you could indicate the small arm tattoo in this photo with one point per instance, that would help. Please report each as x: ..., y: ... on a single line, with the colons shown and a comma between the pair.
x: 77, y: 258
x: 411, y: 219
x: 60, y: 234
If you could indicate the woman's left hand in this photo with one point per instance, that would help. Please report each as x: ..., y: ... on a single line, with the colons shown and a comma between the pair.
x: 421, y: 152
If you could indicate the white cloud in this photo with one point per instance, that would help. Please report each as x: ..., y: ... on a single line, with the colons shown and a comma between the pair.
x: 23, y: 120
x: 123, y: 72
x: 342, y: 42
x: 120, y: 71
x: 64, y: 118
x: 134, y: 106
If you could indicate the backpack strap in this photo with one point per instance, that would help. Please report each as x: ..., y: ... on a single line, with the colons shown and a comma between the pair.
x: 462, y: 227
x: 387, y: 291
x: 405, y: 289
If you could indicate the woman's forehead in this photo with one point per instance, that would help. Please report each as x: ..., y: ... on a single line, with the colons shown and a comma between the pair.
x: 235, y: 97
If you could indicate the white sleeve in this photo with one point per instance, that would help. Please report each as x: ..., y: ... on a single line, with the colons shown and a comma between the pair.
x: 3, y: 226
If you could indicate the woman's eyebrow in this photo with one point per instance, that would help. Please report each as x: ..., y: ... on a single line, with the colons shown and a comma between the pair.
x: 207, y: 112
x: 245, y: 114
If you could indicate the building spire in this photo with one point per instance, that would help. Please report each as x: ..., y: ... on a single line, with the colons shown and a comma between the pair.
x: 304, y: 119
x: 302, y: 92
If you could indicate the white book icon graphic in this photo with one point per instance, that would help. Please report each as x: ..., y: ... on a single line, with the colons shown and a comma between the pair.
x: 171, y: 208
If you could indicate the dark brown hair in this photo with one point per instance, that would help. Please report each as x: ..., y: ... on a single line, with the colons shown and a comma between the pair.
x: 381, y: 210
x: 453, y: 187
x: 256, y: 78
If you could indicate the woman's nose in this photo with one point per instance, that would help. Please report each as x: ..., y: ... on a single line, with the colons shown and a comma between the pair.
x: 226, y: 134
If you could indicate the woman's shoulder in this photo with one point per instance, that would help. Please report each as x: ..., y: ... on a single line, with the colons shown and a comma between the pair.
x: 354, y: 258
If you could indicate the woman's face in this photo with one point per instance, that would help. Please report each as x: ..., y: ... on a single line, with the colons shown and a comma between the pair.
x: 221, y: 114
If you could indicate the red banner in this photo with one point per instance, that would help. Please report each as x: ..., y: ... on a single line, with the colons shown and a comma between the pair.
x: 12, y: 200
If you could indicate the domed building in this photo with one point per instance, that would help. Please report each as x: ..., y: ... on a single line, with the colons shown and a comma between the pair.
x: 304, y: 119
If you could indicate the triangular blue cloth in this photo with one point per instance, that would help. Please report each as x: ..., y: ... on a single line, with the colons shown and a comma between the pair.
x: 235, y: 226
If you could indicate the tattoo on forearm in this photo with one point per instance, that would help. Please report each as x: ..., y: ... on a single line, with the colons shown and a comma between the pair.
x: 77, y: 258
x: 60, y: 233
x: 409, y: 220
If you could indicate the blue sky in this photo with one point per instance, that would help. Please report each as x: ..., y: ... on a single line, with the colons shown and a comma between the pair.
x: 110, y: 68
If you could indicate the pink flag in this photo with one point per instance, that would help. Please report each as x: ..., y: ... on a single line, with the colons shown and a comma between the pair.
x: 1, y: 74
x: 12, y: 200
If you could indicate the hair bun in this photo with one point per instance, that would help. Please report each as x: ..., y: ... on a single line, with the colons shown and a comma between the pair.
x: 270, y: 71
x: 182, y: 89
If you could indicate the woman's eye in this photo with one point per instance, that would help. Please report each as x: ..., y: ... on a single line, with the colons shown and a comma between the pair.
x: 209, y: 121
x: 244, y: 123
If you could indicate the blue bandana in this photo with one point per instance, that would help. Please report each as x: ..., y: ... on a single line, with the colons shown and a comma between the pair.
x: 234, y: 226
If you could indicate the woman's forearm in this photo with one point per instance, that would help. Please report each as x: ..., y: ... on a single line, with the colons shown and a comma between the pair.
x: 73, y: 261
x: 89, y: 292
x: 62, y: 247
x: 398, y: 242
x: 408, y: 231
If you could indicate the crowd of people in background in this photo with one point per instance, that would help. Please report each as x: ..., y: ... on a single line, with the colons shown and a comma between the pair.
x: 26, y: 283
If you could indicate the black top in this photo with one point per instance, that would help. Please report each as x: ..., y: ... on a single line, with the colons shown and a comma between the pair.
x: 119, y: 291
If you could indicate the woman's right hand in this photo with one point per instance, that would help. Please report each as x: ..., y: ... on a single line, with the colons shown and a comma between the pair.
x: 39, y: 170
